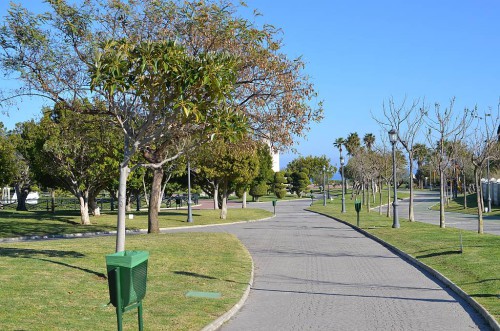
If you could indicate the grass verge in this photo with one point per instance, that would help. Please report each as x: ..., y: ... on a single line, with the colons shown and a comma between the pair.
x: 475, y: 271
x: 61, y: 284
x: 457, y: 205
x: 38, y: 223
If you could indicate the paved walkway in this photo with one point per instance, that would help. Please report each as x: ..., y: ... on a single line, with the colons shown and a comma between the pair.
x: 312, y: 273
x: 424, y: 200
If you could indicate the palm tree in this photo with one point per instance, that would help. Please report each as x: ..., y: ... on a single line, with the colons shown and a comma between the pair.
x: 352, y: 143
x: 369, y: 140
x: 339, y: 142
x: 420, y: 154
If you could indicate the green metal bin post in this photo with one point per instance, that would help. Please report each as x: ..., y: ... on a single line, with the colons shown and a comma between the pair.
x: 274, y: 206
x: 357, y: 206
x: 127, y: 276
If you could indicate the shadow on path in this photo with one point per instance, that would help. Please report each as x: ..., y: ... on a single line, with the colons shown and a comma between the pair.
x: 355, y: 295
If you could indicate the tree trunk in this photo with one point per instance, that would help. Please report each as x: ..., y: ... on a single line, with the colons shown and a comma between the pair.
x: 93, y: 207
x: 154, y: 201
x: 113, y: 198
x: 83, y: 198
x: 464, y: 188
x: 216, y: 196
x: 223, y: 211
x: 363, y: 192
x: 368, y: 198
x: 122, y: 199
x: 411, y: 215
x: 53, y: 201
x: 441, y: 199
x: 479, y: 198
x: 388, y: 198
x: 22, y: 195
x: 374, y: 190
x: 380, y: 197
x: 146, y: 195
x: 244, y: 204
x: 128, y: 203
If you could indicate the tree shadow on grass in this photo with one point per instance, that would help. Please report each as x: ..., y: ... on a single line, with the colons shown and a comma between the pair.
x: 485, y: 296
x: 483, y: 281
x: 438, y: 254
x: 34, y: 254
x: 98, y: 274
x: 193, y: 274
x: 29, y: 253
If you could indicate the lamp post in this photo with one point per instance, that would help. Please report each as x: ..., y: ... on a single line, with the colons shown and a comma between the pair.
x: 343, y: 181
x: 488, y: 168
x: 324, y: 185
x: 393, y: 137
x: 328, y: 186
x: 190, y: 213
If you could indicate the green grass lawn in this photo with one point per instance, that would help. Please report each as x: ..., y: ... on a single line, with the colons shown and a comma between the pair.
x: 457, y: 206
x: 476, y: 270
x: 61, y: 284
x: 15, y: 224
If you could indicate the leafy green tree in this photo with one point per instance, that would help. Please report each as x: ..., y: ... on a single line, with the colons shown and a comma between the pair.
x: 261, y: 183
x: 266, y: 172
x: 300, y: 181
x: 258, y: 190
x: 279, y: 187
x: 237, y: 163
x: 177, y: 91
x: 7, y: 158
x: 313, y: 167
x: 23, y: 176
x: 76, y: 152
x: 120, y: 43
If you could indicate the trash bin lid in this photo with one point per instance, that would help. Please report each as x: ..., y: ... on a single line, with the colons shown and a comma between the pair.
x: 128, y: 259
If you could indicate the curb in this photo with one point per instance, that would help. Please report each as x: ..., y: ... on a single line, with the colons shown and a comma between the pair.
x: 410, y: 259
x: 231, y: 312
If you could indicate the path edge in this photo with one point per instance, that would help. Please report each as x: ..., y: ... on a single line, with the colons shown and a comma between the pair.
x: 215, y: 325
x: 410, y: 259
x: 113, y: 232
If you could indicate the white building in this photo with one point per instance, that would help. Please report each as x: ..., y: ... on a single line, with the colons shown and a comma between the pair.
x: 275, y: 154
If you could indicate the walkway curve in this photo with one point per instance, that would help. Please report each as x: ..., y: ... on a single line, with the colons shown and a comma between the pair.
x: 313, y: 273
x: 424, y: 200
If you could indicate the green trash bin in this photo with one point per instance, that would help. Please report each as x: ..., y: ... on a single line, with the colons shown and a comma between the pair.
x: 357, y: 206
x: 127, y: 277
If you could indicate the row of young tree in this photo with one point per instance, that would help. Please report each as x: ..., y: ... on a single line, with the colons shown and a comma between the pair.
x: 170, y: 76
x: 450, y: 147
x: 81, y: 153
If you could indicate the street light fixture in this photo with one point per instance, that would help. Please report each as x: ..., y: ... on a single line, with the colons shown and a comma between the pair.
x: 328, y: 186
x: 343, y: 182
x: 393, y: 138
x: 488, y: 170
x: 324, y: 185
x: 488, y: 159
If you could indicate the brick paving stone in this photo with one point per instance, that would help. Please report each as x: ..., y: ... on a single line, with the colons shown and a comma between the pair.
x: 312, y: 273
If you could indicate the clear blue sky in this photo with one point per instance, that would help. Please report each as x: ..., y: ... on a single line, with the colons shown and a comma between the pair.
x: 360, y: 53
